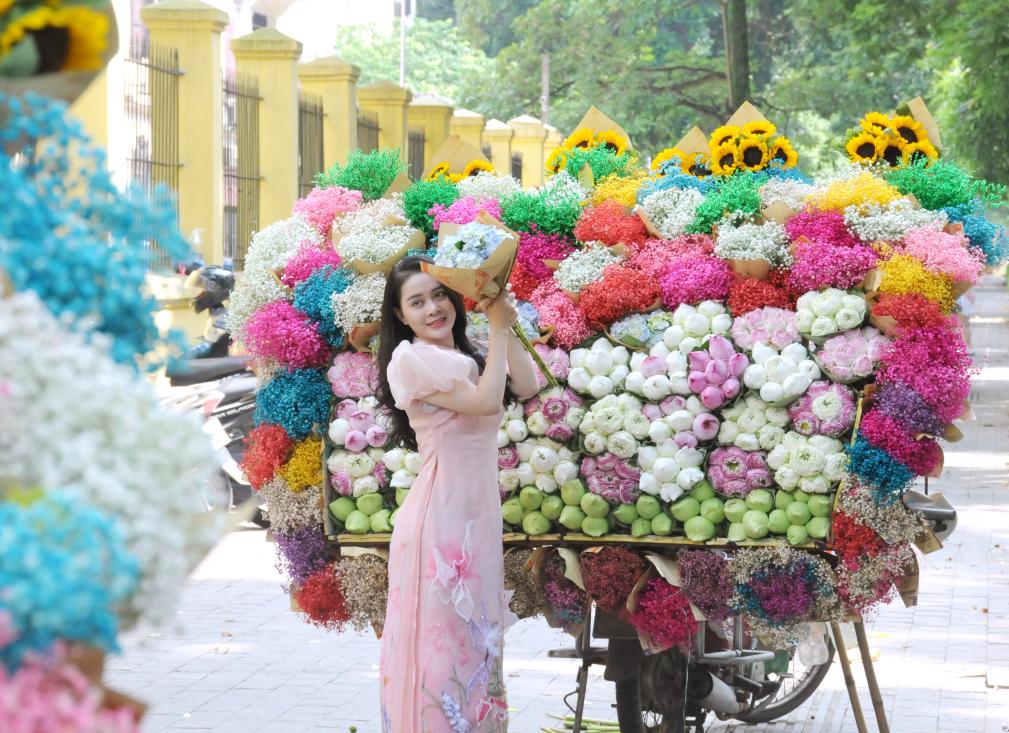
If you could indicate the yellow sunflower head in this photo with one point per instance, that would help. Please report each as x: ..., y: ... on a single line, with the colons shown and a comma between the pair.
x: 752, y: 154
x: 86, y: 31
x: 891, y: 149
x: 583, y: 137
x: 782, y: 152
x: 875, y: 122
x: 921, y: 149
x: 697, y: 165
x: 475, y: 166
x: 725, y: 159
x: 760, y: 129
x: 662, y: 156
x: 909, y: 129
x: 614, y: 141
x: 557, y: 160
x: 439, y: 171
x: 455, y: 177
x: 723, y: 134
x: 862, y: 148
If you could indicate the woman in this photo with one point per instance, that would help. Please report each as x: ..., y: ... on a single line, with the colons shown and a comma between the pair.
x: 443, y: 637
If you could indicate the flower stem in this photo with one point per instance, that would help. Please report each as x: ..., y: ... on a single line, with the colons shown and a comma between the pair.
x: 527, y: 345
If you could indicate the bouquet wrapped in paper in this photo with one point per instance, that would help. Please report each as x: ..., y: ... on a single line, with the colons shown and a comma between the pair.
x: 476, y: 260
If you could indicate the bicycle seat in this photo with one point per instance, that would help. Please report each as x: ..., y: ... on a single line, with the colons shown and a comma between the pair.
x: 195, y: 371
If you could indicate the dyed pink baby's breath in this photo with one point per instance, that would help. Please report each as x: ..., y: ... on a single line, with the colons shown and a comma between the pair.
x: 278, y: 331
x: 820, y: 226
x: 946, y: 254
x: 307, y: 260
x: 323, y: 205
x: 821, y: 265
x: 653, y: 255
x: 535, y: 247
x: 694, y: 278
x: 463, y: 211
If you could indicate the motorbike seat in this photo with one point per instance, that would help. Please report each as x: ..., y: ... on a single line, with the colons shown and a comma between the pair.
x: 237, y: 389
x: 194, y: 371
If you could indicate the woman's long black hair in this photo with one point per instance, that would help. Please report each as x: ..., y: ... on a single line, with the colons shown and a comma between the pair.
x: 393, y: 331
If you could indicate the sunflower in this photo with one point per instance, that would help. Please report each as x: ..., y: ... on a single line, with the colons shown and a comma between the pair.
x: 439, y: 171
x: 723, y: 134
x: 614, y: 141
x: 760, y: 129
x: 875, y: 122
x: 700, y: 167
x: 922, y: 148
x: 557, y: 160
x: 725, y: 159
x: 583, y: 137
x: 891, y: 149
x: 663, y: 155
x: 783, y: 152
x: 752, y: 154
x: 862, y: 148
x: 908, y: 128
x: 87, y: 34
x: 475, y: 166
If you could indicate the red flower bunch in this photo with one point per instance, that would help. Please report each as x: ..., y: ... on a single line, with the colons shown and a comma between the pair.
x: 748, y: 293
x: 559, y: 311
x: 321, y: 599
x: 820, y: 265
x: 853, y: 541
x: 820, y: 226
x: 621, y: 291
x: 653, y: 255
x: 522, y: 280
x: 910, y: 310
x: 664, y: 616
x: 536, y: 246
x: 882, y: 431
x: 610, y: 224
x: 610, y: 576
x: 267, y: 448
x: 694, y: 278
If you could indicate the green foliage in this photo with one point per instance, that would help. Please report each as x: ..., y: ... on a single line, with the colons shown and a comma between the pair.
x: 550, y: 214
x: 370, y: 173
x: 738, y: 192
x: 421, y: 196
x: 439, y: 59
x: 601, y: 160
x: 942, y: 184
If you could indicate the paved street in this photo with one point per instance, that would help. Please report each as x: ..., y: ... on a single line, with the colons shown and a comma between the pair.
x: 237, y: 660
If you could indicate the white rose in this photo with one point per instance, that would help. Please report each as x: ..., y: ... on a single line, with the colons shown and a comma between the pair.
x: 776, y: 416
x: 814, y: 484
x: 574, y: 417
x: 680, y: 420
x: 508, y: 478
x: 809, y: 368
x: 517, y: 430
x: 683, y: 312
x: 828, y: 302
x: 806, y: 460
x: 627, y: 402
x: 360, y: 464
x: 795, y: 352
x: 595, y: 443
x: 847, y: 318
x: 853, y: 302
x: 676, y: 363
x: 806, y: 300
x: 637, y: 425
x: 537, y: 423
x: 779, y: 368
x: 365, y: 485
x: 579, y: 378
x: 667, y: 449
x: 660, y: 350
x: 826, y: 444
x: 679, y: 384
x: 751, y: 420
x: 803, y: 321
x: 622, y: 444
x: 762, y: 352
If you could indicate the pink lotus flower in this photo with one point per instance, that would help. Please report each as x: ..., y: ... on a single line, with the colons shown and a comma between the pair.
x: 685, y: 439
x: 361, y: 420
x: 356, y: 441
x: 736, y: 472
x: 652, y: 412
x: 705, y: 426
x: 377, y: 436
x: 341, y: 483
x: 712, y: 397
x: 607, y: 462
x: 720, y: 348
x: 559, y: 432
x: 353, y: 374
x: 507, y: 457
x: 652, y: 365
x: 346, y: 408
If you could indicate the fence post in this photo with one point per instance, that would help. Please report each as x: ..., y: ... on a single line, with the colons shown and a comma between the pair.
x: 431, y: 114
x: 388, y: 102
x: 469, y: 126
x: 271, y: 57
x: 335, y: 82
x: 499, y: 136
x: 193, y: 28
x: 528, y: 142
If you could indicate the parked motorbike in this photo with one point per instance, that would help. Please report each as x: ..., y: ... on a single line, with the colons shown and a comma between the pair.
x: 728, y: 674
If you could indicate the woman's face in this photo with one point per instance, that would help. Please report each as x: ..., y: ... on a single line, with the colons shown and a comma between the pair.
x: 425, y: 307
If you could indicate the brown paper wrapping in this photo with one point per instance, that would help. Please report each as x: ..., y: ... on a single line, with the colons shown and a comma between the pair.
x: 399, y: 184
x: 647, y: 221
x: 598, y: 121
x: 695, y: 141
x: 927, y: 542
x: 952, y: 434
x: 921, y: 114
x: 937, y: 471
x: 746, y: 113
x: 572, y: 568
x: 457, y: 153
x: 544, y: 337
x: 486, y: 282
x: 758, y: 269
x: 960, y: 287
x: 362, y: 333
x: 90, y: 661
x: 953, y: 227
x: 779, y: 212
x: 907, y: 586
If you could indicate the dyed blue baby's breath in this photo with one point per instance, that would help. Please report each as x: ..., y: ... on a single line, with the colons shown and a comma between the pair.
x: 314, y: 297
x: 882, y: 473
x: 295, y: 400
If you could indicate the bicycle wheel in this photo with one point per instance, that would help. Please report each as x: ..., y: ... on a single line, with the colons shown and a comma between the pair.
x: 794, y: 688
x: 652, y: 701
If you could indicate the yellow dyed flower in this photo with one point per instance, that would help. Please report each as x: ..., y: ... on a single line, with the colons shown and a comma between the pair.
x: 624, y: 190
x: 909, y: 129
x: 725, y: 159
x: 903, y: 274
x: 723, y: 134
x: 860, y: 191
x: 923, y: 148
x: 862, y: 148
x: 475, y: 166
x: 557, y: 160
x: 663, y: 155
x: 87, y: 31
x: 752, y: 154
x: 304, y: 468
x: 583, y: 137
x: 875, y: 122
x: 759, y: 128
x: 616, y: 142
x: 439, y: 171
x: 891, y: 149
x: 783, y: 152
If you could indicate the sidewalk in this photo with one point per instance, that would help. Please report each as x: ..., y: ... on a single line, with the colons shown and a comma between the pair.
x: 238, y: 661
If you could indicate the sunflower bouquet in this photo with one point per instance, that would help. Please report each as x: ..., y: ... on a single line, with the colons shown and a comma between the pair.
x: 889, y: 141
x: 753, y: 146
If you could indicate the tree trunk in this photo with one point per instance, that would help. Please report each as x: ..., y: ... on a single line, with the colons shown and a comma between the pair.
x: 737, y: 53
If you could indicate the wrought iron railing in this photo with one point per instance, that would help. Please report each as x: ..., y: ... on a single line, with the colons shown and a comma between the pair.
x: 311, y: 159
x: 241, y: 165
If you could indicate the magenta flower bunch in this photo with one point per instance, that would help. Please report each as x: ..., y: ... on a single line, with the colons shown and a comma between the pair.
x: 825, y: 409
x: 715, y: 372
x: 736, y: 472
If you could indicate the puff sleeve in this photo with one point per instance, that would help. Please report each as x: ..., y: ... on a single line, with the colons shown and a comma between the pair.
x: 417, y: 370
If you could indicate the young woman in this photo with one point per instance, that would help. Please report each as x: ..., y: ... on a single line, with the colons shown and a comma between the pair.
x: 442, y: 642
